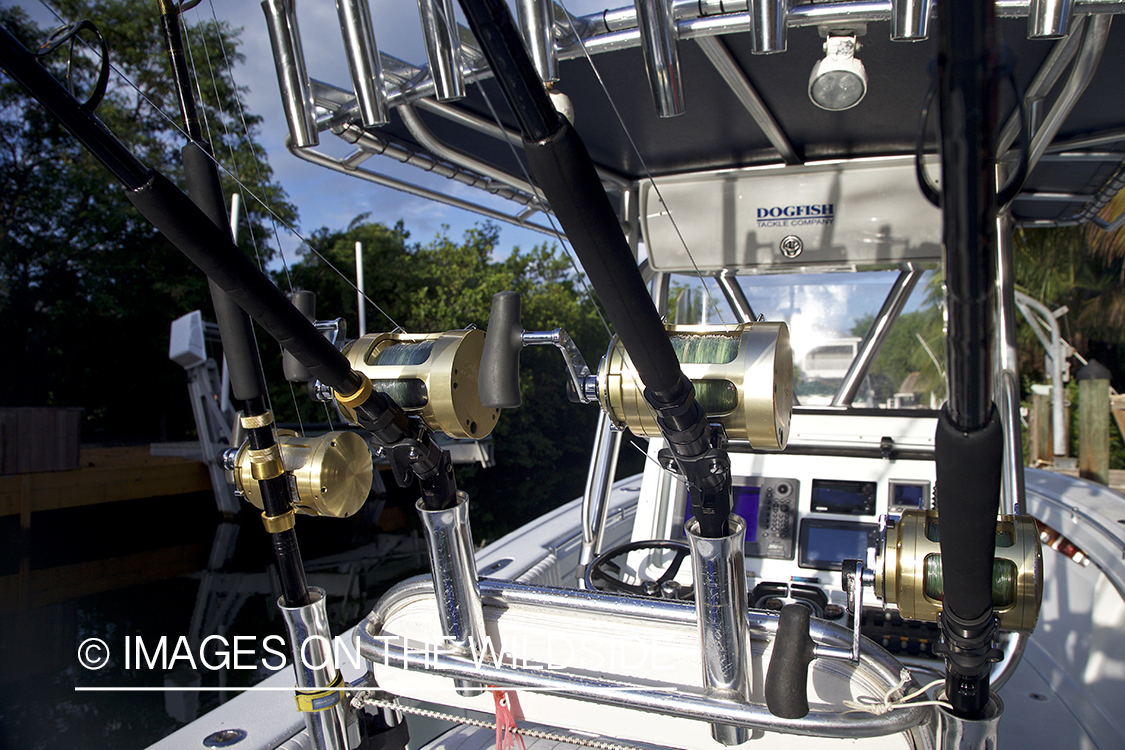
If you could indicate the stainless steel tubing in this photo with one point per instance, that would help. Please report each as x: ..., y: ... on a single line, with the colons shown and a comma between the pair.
x: 310, y: 641
x: 1049, y: 19
x: 363, y: 60
x: 443, y: 48
x: 892, y: 307
x: 769, y: 26
x: 537, y: 23
x: 910, y: 20
x: 377, y: 648
x: 1007, y: 364
x: 721, y: 605
x: 454, y: 570
x: 292, y: 76
x: 599, y: 484
x: 731, y: 72
x: 657, y: 24
x: 964, y: 734
x: 1081, y: 73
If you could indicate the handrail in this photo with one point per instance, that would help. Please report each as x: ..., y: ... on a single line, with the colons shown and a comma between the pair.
x: 684, y: 702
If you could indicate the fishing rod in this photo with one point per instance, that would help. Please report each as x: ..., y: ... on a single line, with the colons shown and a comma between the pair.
x: 239, y: 345
x: 969, y: 442
x: 409, y: 443
x: 564, y: 171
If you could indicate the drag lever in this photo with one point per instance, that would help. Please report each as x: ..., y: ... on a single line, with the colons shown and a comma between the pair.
x: 498, y: 381
x: 794, y: 650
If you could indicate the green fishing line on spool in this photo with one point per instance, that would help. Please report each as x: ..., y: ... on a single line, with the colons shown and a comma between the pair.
x: 409, y: 393
x: 1003, y: 580
x: 704, y: 349
x: 715, y: 396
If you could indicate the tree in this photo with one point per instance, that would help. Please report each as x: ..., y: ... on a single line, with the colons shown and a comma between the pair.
x: 87, y: 287
x: 445, y: 285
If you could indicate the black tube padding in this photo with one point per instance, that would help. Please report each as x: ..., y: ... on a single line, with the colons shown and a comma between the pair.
x: 787, y: 678
x: 211, y: 249
x: 498, y: 381
x: 247, y: 380
x: 565, y: 173
x: 969, y: 469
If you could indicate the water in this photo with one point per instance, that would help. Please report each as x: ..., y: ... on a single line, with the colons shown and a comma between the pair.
x: 172, y: 569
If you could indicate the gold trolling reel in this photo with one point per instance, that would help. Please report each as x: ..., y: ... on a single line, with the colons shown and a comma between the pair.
x: 330, y: 474
x: 908, y: 572
x: 742, y: 374
x: 430, y: 375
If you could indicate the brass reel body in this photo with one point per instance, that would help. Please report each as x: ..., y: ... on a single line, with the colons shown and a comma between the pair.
x: 432, y: 376
x: 331, y: 473
x: 909, y: 574
x: 743, y: 378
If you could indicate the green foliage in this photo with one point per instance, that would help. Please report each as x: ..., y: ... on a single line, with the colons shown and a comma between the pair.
x: 904, y: 352
x: 87, y: 287
x: 542, y: 447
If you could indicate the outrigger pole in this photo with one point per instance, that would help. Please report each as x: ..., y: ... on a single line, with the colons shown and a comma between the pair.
x: 239, y: 345
x: 969, y: 442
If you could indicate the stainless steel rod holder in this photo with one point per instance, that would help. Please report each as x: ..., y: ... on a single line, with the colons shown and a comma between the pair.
x: 769, y: 26
x: 955, y: 733
x: 656, y: 20
x: 450, y: 544
x: 910, y: 20
x: 310, y: 640
x: 443, y: 48
x: 720, y: 601
x: 537, y: 24
x: 363, y: 60
x: 292, y: 75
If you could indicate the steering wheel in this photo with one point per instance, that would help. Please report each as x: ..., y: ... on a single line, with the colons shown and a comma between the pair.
x: 662, y: 588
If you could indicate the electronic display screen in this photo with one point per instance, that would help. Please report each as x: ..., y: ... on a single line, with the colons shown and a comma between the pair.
x: 825, y: 544
x: 908, y: 495
x: 745, y: 505
x: 843, y: 496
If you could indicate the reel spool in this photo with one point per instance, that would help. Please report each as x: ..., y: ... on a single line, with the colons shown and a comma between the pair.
x: 743, y: 378
x: 908, y: 571
x: 431, y: 375
x: 331, y: 473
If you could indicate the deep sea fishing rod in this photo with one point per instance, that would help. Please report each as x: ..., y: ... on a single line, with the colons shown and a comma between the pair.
x: 969, y: 442
x: 247, y: 379
x: 409, y: 442
x: 564, y: 171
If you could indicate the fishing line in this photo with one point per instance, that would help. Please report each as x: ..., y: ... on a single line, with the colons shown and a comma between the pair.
x: 644, y: 165
x: 538, y: 195
x: 550, y: 217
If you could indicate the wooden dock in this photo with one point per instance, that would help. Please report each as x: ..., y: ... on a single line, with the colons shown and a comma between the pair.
x: 105, y: 475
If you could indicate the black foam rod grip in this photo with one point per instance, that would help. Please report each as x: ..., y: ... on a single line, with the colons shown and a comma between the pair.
x: 498, y: 381
x: 969, y: 466
x: 787, y: 678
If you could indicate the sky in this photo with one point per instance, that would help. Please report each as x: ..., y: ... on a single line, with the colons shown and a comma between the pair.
x: 325, y: 198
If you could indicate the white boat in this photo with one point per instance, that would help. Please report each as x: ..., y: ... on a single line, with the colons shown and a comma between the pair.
x: 788, y: 216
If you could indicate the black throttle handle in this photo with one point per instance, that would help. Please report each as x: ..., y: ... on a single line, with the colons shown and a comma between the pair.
x: 788, y: 674
x: 499, y: 379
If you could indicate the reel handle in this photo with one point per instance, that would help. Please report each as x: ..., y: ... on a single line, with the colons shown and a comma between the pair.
x: 788, y: 674
x: 498, y: 381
